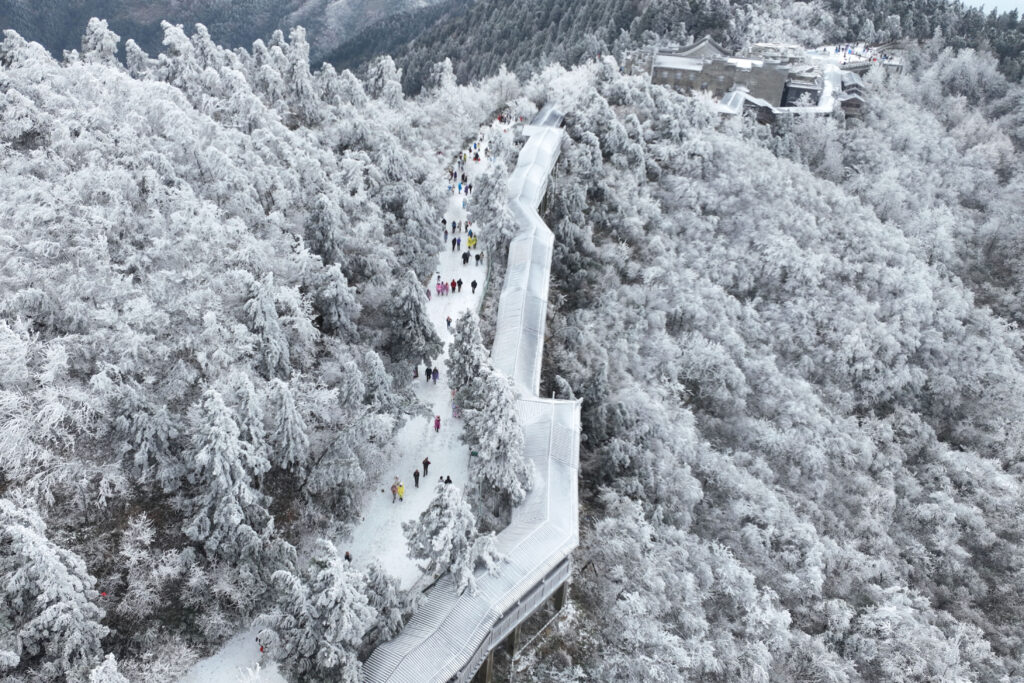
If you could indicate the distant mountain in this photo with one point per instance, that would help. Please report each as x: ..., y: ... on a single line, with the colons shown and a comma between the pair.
x: 58, y: 26
x: 481, y: 36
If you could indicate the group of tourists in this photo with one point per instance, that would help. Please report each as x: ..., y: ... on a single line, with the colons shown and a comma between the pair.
x: 398, y: 486
x: 444, y: 287
x: 431, y: 374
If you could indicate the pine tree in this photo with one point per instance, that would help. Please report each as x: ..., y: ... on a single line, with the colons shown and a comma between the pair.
x: 230, y: 516
x: 319, y: 624
x: 467, y: 357
x: 261, y: 310
x: 106, y: 672
x: 413, y: 338
x: 137, y: 61
x: 385, y: 596
x: 384, y: 81
x: 303, y: 95
x: 50, y: 622
x: 99, y: 44
x: 445, y: 535
x: 491, y: 208
x: 249, y: 412
x: 288, y: 440
x: 492, y: 429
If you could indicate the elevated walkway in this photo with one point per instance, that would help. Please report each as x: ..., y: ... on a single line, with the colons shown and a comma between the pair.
x: 452, y: 636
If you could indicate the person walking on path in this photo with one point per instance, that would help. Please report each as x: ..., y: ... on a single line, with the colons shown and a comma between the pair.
x: 473, y: 285
x: 459, y: 283
x: 428, y: 373
x: 401, y: 492
x: 453, y: 243
x: 436, y: 374
x: 437, y: 423
x: 448, y: 479
x: 426, y: 466
x: 428, y: 293
x: 416, y: 478
x: 348, y: 556
x: 478, y: 259
x: 438, y: 285
x: 459, y: 242
x: 449, y: 321
x: 465, y: 258
x: 453, y: 286
x: 394, y: 491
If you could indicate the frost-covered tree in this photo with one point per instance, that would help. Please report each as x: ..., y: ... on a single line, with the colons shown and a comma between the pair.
x: 442, y: 77
x: 99, y: 44
x: 304, y: 99
x: 320, y: 620
x: 445, y: 535
x: 229, y: 515
x: 385, y: 596
x: 51, y: 624
x: 491, y: 210
x: 413, y: 338
x: 107, y: 672
x: 494, y: 433
x: 384, y: 80
x: 467, y: 357
x: 191, y: 191
x: 289, y: 443
x: 261, y: 310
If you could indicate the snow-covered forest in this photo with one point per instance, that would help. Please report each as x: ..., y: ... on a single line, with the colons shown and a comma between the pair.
x: 797, y: 347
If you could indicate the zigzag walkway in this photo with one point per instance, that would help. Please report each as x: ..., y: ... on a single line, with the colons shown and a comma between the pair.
x: 453, y: 636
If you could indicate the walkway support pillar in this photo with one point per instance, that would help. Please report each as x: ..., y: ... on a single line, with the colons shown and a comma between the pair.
x: 560, y: 595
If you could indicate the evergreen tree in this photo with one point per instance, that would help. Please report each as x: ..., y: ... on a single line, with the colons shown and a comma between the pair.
x: 288, y: 440
x: 445, y: 535
x: 261, y: 309
x: 250, y: 424
x: 229, y: 517
x: 318, y: 624
x: 493, y: 431
x: 490, y: 208
x: 384, y: 80
x: 99, y: 44
x: 385, y: 596
x: 413, y: 338
x: 50, y: 623
x: 107, y: 672
x: 303, y: 95
x: 467, y: 357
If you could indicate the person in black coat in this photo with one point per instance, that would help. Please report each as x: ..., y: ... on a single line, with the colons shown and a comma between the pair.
x: 426, y: 466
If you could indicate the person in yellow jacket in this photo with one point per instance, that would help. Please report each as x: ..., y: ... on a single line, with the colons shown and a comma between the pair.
x: 401, y: 491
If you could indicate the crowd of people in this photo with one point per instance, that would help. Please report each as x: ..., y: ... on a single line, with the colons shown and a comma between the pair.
x: 456, y: 231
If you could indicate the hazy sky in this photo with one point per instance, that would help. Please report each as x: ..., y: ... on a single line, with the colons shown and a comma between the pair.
x: 1001, y: 5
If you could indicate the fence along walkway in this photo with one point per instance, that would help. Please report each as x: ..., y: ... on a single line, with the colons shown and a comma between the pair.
x: 451, y: 634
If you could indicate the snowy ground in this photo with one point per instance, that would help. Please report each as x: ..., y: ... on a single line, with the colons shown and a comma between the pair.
x: 379, y: 536
x: 238, y: 660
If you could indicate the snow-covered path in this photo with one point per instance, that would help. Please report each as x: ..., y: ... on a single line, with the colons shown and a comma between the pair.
x: 379, y: 535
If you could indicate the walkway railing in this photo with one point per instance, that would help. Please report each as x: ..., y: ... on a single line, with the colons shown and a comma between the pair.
x: 451, y: 634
